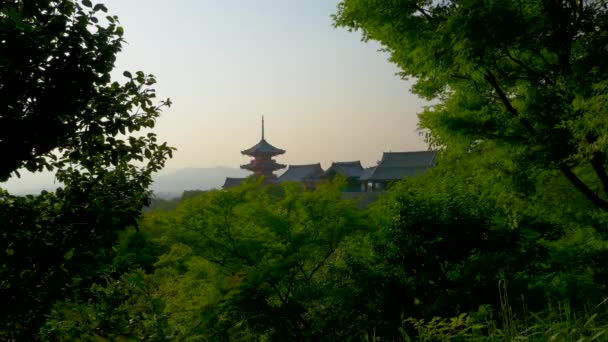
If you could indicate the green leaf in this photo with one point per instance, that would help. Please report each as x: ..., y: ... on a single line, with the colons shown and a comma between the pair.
x: 101, y: 7
x: 68, y: 255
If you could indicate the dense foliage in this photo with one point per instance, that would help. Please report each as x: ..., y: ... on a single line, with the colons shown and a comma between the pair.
x: 505, y: 239
x: 529, y: 76
x: 61, y: 112
x: 438, y: 256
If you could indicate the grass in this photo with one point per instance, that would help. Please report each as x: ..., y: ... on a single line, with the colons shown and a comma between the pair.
x: 556, y: 323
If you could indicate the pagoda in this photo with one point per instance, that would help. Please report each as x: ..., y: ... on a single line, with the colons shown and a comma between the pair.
x: 262, y: 164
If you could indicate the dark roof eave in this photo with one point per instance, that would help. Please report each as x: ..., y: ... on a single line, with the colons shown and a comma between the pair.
x: 262, y: 148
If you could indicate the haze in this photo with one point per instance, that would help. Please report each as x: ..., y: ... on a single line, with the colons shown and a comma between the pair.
x: 326, y: 95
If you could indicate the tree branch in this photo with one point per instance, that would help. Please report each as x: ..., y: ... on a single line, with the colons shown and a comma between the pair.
x: 570, y: 175
x: 276, y: 289
x: 422, y: 11
x: 527, y: 68
x: 597, y: 162
x: 491, y: 79
x: 583, y: 188
x: 322, y: 262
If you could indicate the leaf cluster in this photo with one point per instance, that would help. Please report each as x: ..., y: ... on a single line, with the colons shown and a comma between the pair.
x: 528, y: 75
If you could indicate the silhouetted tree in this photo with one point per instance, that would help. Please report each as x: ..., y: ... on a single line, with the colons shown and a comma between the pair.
x: 61, y: 111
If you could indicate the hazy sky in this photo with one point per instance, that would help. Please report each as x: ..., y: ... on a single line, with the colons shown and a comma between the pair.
x: 326, y: 95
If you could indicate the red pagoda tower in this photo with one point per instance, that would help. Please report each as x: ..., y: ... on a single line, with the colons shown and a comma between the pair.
x: 262, y: 163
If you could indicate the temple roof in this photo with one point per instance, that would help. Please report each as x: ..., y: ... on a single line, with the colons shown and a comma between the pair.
x: 261, y: 148
x: 398, y: 165
x: 232, y: 182
x: 368, y: 172
x: 269, y: 165
x: 351, y: 169
x: 298, y: 173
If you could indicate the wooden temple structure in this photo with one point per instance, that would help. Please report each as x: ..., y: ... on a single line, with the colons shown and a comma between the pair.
x: 395, y: 166
x: 262, y: 164
x: 392, y: 167
x: 309, y: 175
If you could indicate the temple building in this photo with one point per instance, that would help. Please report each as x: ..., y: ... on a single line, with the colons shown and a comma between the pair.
x: 395, y: 166
x: 308, y: 174
x: 392, y: 167
x: 262, y: 164
x: 232, y: 182
x: 351, y: 170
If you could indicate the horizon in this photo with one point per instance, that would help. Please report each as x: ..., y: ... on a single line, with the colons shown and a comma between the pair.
x: 326, y: 96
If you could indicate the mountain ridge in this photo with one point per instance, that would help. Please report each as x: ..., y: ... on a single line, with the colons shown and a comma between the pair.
x: 167, y: 184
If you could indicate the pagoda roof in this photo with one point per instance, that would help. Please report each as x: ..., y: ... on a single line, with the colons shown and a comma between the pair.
x: 263, y: 148
x: 232, y: 182
x: 269, y: 165
x: 298, y: 173
x: 398, y: 165
x: 350, y: 169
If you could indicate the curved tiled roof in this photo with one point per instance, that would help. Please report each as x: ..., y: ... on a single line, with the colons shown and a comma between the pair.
x: 269, y: 165
x: 398, y: 165
x: 352, y: 169
x: 408, y: 159
x: 298, y: 173
x: 368, y: 172
x: 232, y: 182
x: 263, y: 147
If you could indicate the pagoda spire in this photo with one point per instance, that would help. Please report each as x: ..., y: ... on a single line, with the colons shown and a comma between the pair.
x: 263, y: 163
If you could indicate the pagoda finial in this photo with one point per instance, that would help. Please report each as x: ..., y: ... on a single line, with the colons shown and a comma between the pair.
x: 262, y: 127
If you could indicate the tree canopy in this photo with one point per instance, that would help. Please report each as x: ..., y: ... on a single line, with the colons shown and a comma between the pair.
x: 59, y: 105
x: 492, y: 243
x: 529, y: 76
x: 62, y: 112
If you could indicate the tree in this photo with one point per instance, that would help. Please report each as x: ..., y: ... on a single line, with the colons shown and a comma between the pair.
x: 58, y: 102
x: 277, y: 248
x: 61, y: 112
x: 527, y: 75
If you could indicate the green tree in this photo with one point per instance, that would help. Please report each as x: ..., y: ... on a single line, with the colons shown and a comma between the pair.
x: 62, y: 112
x: 529, y: 76
x: 277, y: 248
x: 127, y: 308
x: 58, y: 102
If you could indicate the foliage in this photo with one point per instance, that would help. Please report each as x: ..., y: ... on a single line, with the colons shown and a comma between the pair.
x: 431, y: 259
x: 280, y: 263
x: 528, y: 75
x: 56, y: 90
x: 158, y: 203
x: 277, y: 246
x: 125, y: 309
x: 61, y: 112
x: 251, y: 261
x: 557, y: 323
x: 519, y: 95
x: 444, y: 241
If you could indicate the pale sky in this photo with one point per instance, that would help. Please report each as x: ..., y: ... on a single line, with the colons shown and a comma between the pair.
x: 325, y: 95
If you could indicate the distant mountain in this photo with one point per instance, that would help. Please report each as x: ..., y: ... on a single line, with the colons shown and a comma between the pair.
x: 168, y: 184
x: 172, y: 184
